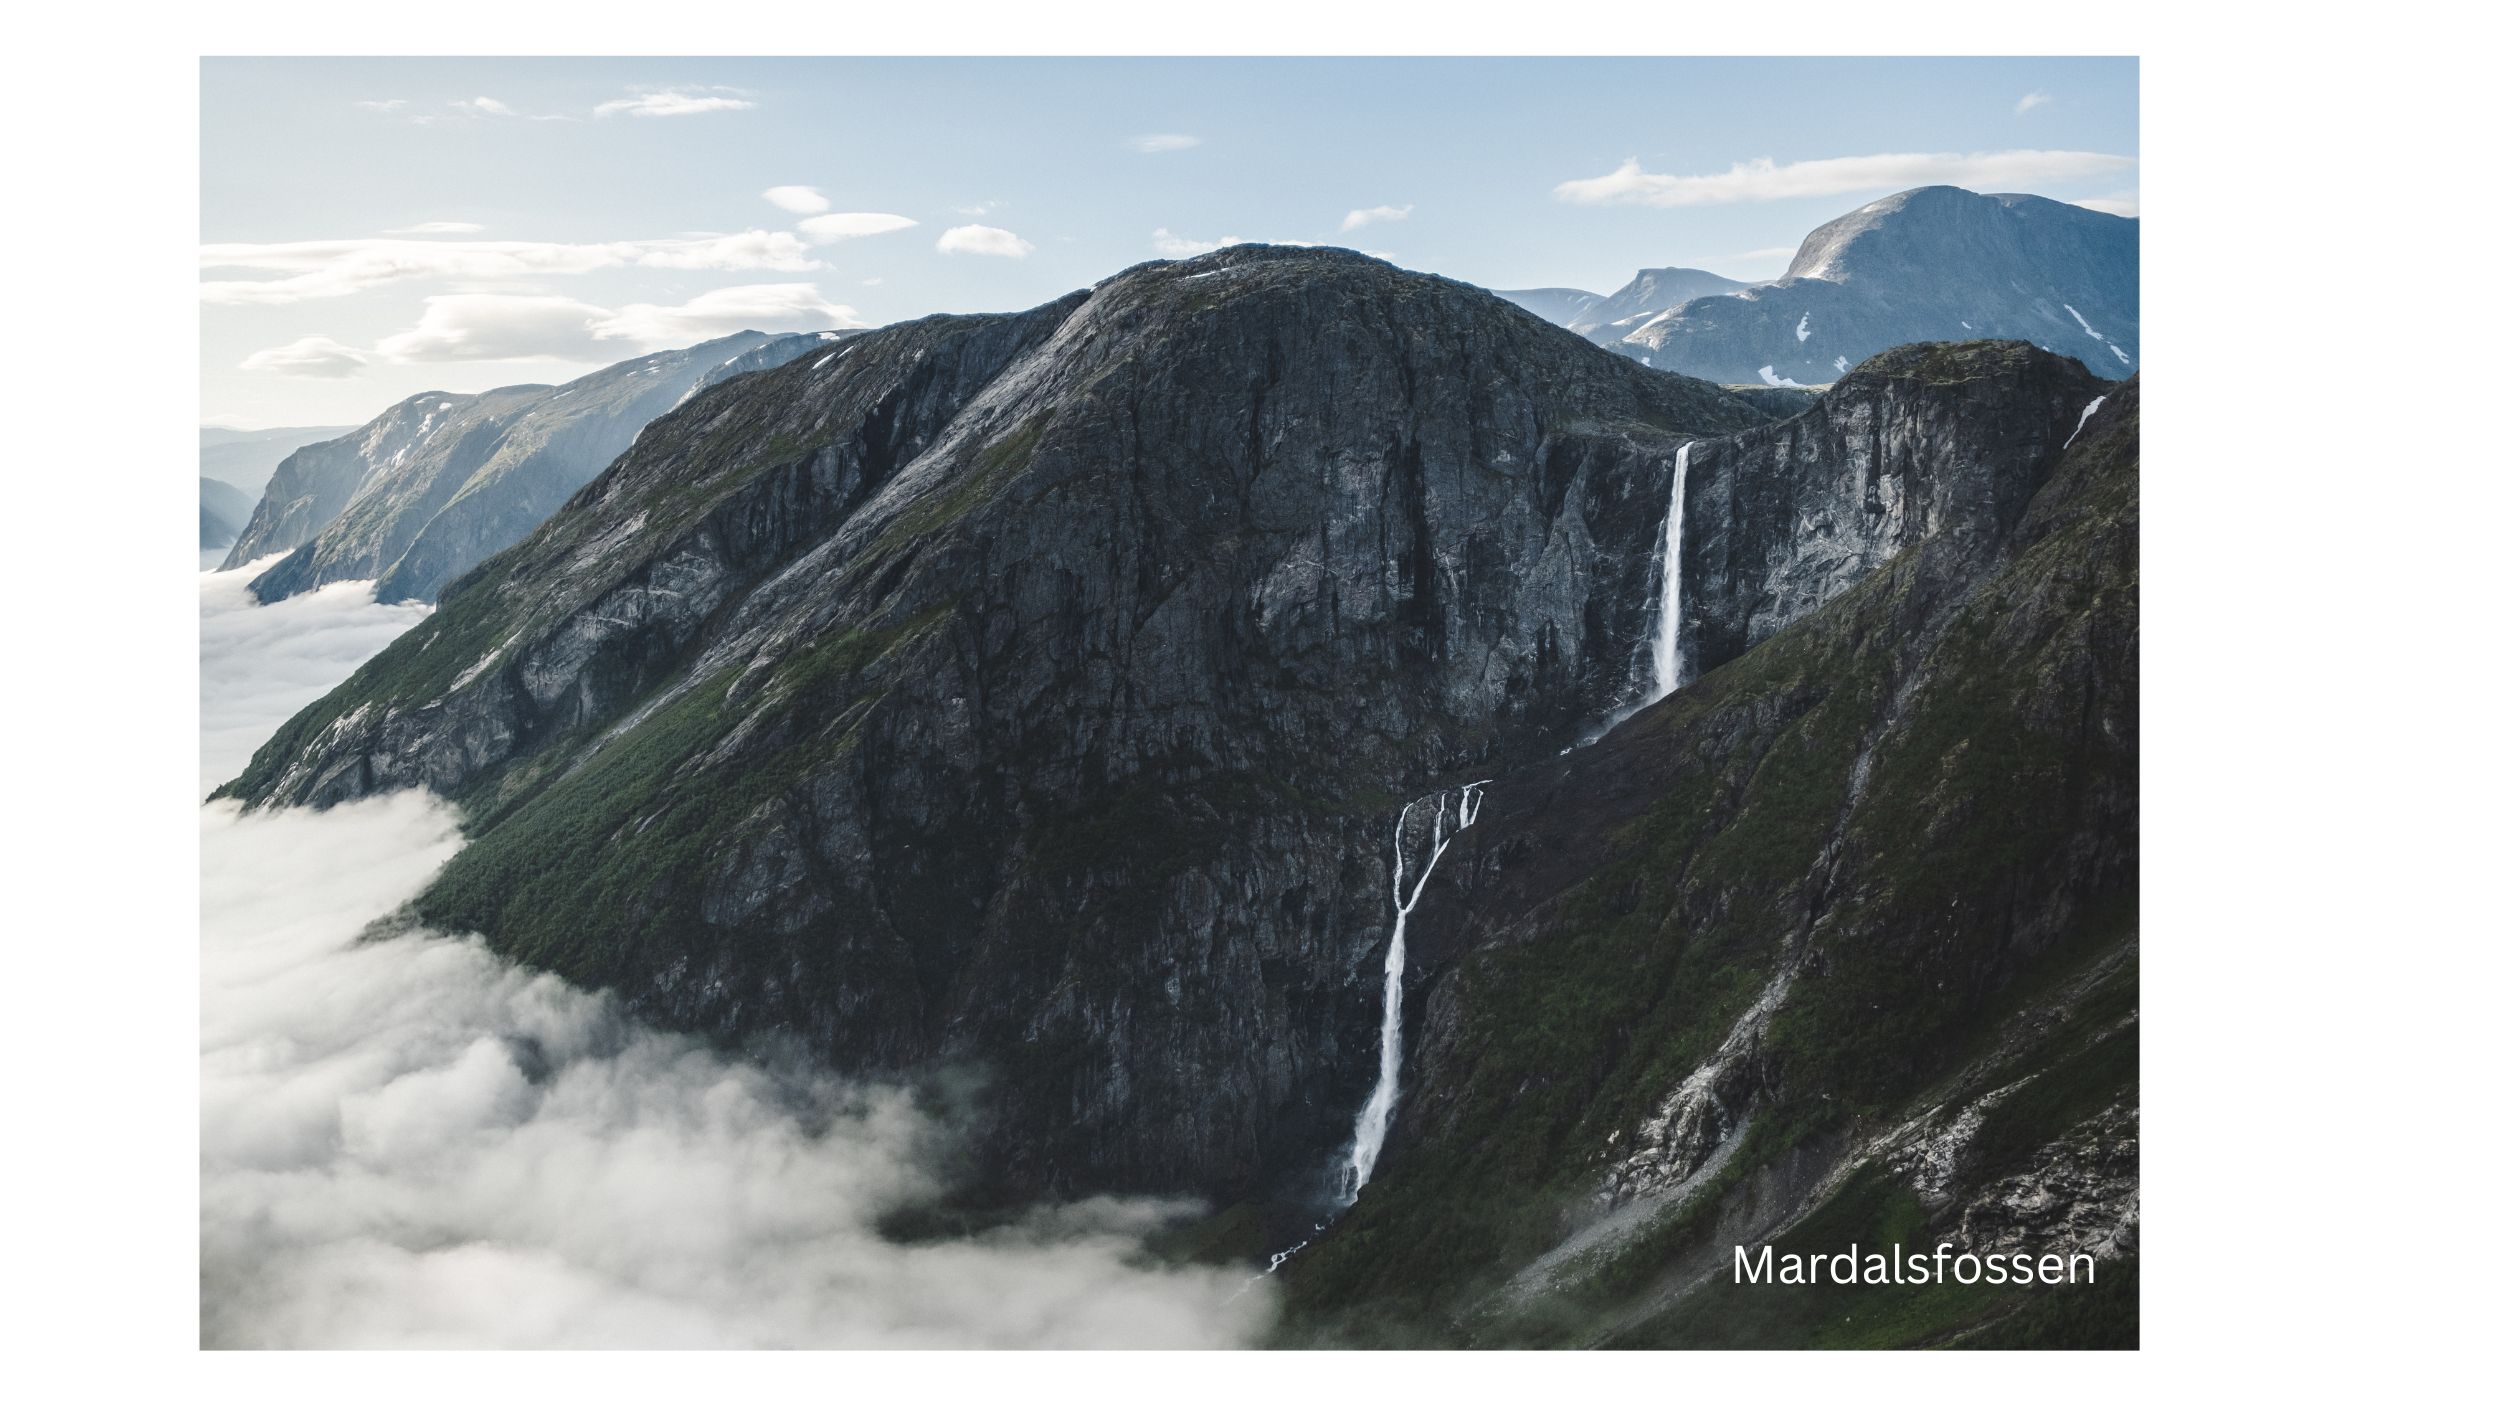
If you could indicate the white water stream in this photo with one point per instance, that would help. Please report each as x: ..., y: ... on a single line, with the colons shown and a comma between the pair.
x: 1371, y: 1127
x: 1666, y: 662
x: 2087, y: 419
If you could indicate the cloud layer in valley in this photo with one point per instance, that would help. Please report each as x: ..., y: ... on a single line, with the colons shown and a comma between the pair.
x: 411, y: 1142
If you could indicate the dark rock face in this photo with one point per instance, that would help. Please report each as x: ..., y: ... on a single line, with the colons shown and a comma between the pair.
x: 1932, y: 264
x: 1931, y: 442
x: 440, y: 482
x: 1036, y: 691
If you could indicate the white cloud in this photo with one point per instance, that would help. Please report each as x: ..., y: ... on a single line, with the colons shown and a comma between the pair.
x: 2119, y: 202
x: 461, y: 327
x: 497, y: 327
x: 488, y: 106
x: 309, y: 356
x: 1157, y: 143
x: 1783, y: 253
x: 670, y: 102
x: 329, y: 268
x: 798, y: 200
x: 852, y: 224
x: 1766, y: 179
x: 409, y: 1142
x: 983, y: 239
x: 440, y: 227
x: 765, y: 307
x: 777, y: 250
x: 382, y: 104
x: 2028, y: 101
x: 1177, y: 246
x: 1356, y: 219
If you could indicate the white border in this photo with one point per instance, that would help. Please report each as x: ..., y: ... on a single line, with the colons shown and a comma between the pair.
x: 2318, y: 759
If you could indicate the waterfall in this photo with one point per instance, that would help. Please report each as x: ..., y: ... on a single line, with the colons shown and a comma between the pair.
x: 2087, y: 417
x: 1666, y: 663
x: 1371, y: 1127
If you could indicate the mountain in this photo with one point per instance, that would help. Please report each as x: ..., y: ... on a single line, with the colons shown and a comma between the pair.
x: 1055, y: 698
x: 223, y: 511
x: 245, y: 459
x: 1650, y: 293
x: 438, y: 482
x: 1028, y: 690
x: 1933, y: 264
x: 1561, y: 306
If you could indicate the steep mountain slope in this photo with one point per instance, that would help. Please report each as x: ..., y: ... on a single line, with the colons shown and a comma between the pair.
x: 223, y: 511
x: 245, y: 459
x: 447, y: 481
x: 1035, y: 691
x: 1610, y: 317
x: 1836, y: 944
x: 1561, y: 306
x: 1932, y: 264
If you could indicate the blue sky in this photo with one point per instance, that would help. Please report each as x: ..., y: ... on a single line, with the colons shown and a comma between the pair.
x: 378, y: 228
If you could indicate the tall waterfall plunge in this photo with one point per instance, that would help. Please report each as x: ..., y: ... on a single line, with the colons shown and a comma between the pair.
x: 1666, y: 661
x: 1371, y: 1127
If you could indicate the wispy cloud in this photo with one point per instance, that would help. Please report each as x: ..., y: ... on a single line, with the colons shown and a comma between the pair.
x: 1356, y: 219
x: 798, y: 200
x: 382, y: 104
x: 765, y: 307
x: 1779, y: 252
x: 1181, y: 246
x: 984, y: 239
x: 2119, y: 202
x: 672, y: 102
x: 316, y: 355
x: 852, y: 224
x: 329, y: 268
x: 2028, y: 101
x: 1156, y: 143
x: 488, y: 106
x: 440, y: 227
x: 524, y: 327
x: 1765, y: 179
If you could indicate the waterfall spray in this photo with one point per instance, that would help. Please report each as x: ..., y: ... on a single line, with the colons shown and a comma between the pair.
x: 1371, y: 1127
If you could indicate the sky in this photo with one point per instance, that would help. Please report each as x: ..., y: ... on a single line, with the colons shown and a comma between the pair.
x: 375, y: 229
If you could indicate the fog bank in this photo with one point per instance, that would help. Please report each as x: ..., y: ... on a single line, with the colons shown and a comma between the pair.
x: 411, y: 1142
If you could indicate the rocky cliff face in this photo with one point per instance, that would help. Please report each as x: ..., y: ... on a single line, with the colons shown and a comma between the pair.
x: 440, y: 482
x: 1035, y: 691
x: 1035, y: 695
x: 1837, y: 943
x: 1932, y: 264
x: 315, y: 482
